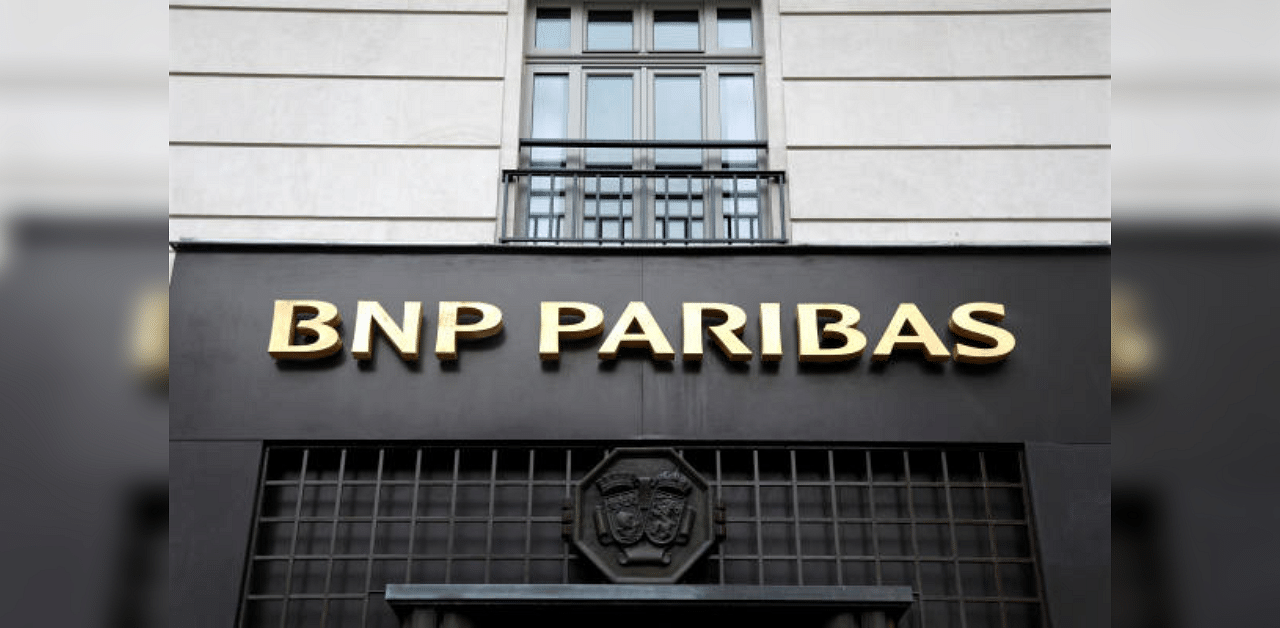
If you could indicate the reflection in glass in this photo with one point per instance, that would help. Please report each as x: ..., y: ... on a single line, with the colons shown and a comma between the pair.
x: 678, y: 203
x: 609, y: 118
x: 609, y: 30
x: 740, y: 206
x: 546, y: 209
x: 738, y: 117
x: 607, y: 204
x: 741, y: 198
x: 551, y: 29
x: 675, y: 30
x: 677, y: 115
x: 733, y: 28
x: 550, y: 117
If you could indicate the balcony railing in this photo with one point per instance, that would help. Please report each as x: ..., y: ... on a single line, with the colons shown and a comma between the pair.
x: 643, y: 192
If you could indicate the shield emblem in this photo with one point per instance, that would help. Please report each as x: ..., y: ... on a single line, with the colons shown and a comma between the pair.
x: 622, y: 508
x: 643, y: 515
x: 667, y: 508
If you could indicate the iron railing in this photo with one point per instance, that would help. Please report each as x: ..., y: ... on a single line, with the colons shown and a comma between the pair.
x: 643, y: 192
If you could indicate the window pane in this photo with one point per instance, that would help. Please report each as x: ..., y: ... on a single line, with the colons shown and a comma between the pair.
x: 677, y: 115
x: 733, y: 27
x: 741, y: 203
x: 741, y: 208
x: 738, y: 117
x: 550, y: 117
x: 609, y: 118
x: 546, y: 207
x: 675, y: 30
x: 607, y: 205
x: 678, y: 206
x: 609, y: 30
x: 551, y: 30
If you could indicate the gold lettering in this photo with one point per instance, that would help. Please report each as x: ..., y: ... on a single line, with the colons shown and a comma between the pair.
x: 923, y: 337
x: 150, y: 346
x: 449, y: 330
x: 1134, y: 350
x: 649, y: 335
x: 726, y: 334
x: 847, y: 318
x: 552, y: 330
x: 405, y: 340
x: 322, y: 327
x: 964, y: 323
x: 770, y: 332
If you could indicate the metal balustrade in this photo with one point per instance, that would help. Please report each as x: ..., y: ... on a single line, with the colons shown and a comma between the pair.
x: 643, y: 192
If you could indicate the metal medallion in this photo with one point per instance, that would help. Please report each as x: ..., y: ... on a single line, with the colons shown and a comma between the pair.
x: 643, y: 515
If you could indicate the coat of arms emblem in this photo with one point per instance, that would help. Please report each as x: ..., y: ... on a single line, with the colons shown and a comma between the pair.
x: 643, y: 515
x: 654, y: 509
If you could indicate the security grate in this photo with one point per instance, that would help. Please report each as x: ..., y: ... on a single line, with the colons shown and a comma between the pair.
x: 335, y: 524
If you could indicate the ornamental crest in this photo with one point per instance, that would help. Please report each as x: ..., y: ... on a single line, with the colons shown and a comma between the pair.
x: 643, y: 515
x: 619, y: 518
x: 651, y: 509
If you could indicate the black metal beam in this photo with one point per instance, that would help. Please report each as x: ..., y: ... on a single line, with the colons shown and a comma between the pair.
x: 886, y: 598
x: 740, y: 241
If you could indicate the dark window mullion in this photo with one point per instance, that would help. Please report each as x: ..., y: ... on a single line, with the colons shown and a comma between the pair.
x: 453, y: 514
x: 413, y: 513
x: 991, y: 537
x: 373, y: 536
x: 333, y: 536
x: 293, y: 542
x: 955, y: 546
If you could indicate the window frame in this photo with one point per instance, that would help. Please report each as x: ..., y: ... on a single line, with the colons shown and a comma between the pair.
x: 651, y: 76
x: 531, y: 36
x: 643, y: 121
x: 757, y: 31
x: 651, y: 36
x: 642, y: 14
x: 637, y: 18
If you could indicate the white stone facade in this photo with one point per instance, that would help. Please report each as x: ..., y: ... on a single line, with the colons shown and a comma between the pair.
x: 896, y: 121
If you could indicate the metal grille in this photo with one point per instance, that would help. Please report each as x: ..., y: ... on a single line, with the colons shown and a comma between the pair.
x: 335, y: 524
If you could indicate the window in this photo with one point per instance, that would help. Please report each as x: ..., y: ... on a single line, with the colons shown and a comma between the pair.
x: 552, y: 29
x: 643, y: 123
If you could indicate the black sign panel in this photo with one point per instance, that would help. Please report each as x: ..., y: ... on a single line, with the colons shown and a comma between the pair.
x: 1054, y: 386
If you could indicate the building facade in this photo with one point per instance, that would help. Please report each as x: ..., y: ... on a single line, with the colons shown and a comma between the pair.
x: 832, y: 271
x: 894, y: 123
